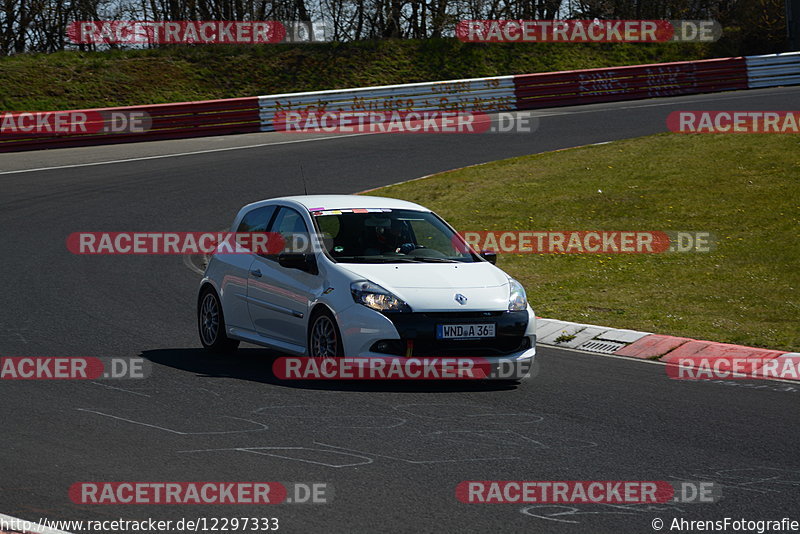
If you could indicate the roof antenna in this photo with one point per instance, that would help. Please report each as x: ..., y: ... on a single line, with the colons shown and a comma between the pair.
x: 303, y: 178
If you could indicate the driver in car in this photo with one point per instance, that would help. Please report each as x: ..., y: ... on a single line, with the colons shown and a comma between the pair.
x: 391, y: 237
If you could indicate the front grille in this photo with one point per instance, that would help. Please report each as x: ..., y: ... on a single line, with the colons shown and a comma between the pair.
x: 467, y: 348
x: 462, y: 315
x: 420, y: 327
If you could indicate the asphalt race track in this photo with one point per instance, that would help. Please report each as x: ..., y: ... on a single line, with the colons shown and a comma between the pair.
x: 391, y: 454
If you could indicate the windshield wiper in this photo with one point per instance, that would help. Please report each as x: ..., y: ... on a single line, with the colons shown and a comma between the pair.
x: 428, y: 259
x: 394, y: 259
x: 368, y: 259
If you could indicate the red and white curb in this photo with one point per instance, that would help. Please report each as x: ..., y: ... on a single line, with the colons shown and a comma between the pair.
x: 645, y: 345
x: 22, y: 526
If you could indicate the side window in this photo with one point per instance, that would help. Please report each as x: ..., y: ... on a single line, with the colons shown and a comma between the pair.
x: 290, y: 224
x: 256, y: 220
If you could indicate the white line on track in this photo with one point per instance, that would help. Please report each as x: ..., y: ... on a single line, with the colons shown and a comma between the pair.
x: 187, y: 261
x: 171, y: 431
x: 120, y: 389
x: 540, y: 114
x: 466, y: 167
x: 194, y: 153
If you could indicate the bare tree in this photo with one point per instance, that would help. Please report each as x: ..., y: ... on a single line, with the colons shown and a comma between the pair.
x: 40, y: 25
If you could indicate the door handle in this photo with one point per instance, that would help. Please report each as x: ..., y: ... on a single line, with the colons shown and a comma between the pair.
x: 256, y: 272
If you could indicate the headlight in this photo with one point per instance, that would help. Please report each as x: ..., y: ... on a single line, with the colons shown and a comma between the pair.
x: 517, y: 301
x: 374, y: 296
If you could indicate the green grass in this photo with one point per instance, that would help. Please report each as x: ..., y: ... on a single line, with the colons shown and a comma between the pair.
x: 743, y: 188
x: 74, y: 80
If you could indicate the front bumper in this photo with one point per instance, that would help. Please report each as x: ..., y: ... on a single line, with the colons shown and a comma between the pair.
x: 364, y: 330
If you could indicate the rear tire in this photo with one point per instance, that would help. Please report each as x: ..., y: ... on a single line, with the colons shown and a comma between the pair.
x: 211, y: 325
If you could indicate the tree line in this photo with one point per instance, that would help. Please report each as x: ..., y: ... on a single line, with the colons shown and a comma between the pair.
x: 41, y: 25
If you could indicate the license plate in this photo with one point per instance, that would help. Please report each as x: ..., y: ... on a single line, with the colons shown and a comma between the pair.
x: 464, y: 331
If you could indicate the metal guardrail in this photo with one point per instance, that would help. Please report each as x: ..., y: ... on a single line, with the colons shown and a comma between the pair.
x: 772, y: 70
x: 167, y: 121
x: 498, y: 93
x: 629, y: 83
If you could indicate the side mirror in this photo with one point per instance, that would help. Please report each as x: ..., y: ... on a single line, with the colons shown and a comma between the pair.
x: 490, y: 256
x: 297, y: 260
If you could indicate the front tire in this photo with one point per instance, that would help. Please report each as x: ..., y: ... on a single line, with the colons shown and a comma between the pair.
x: 324, y: 339
x: 211, y: 325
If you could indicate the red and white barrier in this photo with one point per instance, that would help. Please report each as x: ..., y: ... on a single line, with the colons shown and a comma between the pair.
x: 571, y: 88
x: 166, y: 121
x: 493, y: 94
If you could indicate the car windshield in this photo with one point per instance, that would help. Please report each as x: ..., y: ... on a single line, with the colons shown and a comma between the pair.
x: 389, y: 236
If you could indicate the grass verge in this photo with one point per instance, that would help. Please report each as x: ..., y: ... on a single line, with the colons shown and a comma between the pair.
x: 745, y: 189
x: 76, y: 80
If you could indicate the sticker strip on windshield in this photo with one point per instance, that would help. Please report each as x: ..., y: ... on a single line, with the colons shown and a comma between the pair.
x: 323, y: 211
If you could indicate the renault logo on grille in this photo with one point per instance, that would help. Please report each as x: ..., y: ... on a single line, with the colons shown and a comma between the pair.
x: 461, y: 299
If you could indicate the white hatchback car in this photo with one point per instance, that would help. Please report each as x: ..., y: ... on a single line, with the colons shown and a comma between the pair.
x: 377, y: 277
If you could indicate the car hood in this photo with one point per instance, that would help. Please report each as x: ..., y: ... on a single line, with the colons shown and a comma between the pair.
x: 433, y: 286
